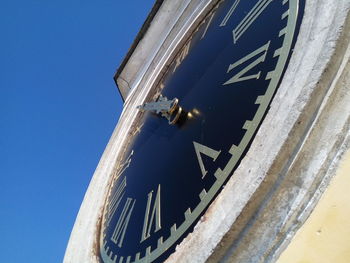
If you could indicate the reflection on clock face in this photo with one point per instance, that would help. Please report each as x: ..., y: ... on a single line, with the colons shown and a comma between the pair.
x: 224, y: 77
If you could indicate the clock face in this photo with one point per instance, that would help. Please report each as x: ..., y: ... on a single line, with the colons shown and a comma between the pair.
x: 224, y: 78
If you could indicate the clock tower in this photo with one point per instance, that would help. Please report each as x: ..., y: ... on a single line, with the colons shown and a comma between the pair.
x: 236, y: 117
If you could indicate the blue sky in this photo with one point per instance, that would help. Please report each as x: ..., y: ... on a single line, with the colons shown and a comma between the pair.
x: 59, y: 106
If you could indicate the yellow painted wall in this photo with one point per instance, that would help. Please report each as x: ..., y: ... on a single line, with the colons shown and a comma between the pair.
x: 325, y: 236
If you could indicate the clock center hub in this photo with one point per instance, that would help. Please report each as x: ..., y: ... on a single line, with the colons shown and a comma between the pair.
x: 168, y: 109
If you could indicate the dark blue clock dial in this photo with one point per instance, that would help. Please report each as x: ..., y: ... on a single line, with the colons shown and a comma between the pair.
x: 224, y: 77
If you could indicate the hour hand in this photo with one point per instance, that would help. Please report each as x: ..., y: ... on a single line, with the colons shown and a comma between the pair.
x: 168, y: 108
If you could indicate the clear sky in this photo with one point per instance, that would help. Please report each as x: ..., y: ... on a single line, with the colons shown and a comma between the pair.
x: 58, y: 108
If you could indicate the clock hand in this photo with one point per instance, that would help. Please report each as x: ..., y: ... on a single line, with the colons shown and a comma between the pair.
x: 168, y: 108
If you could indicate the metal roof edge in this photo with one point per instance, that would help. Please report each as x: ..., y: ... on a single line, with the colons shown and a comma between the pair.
x: 138, y: 38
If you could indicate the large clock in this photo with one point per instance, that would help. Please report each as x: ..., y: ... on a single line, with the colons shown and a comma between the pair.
x: 195, y: 126
x: 216, y: 157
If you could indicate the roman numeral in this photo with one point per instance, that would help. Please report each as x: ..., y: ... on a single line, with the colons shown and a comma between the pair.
x: 115, y: 200
x: 155, y: 216
x: 253, y: 14
x: 202, y: 149
x: 119, y: 192
x: 183, y: 54
x: 207, y: 26
x: 230, y: 12
x: 123, y: 166
x: 240, y: 76
x: 123, y: 221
